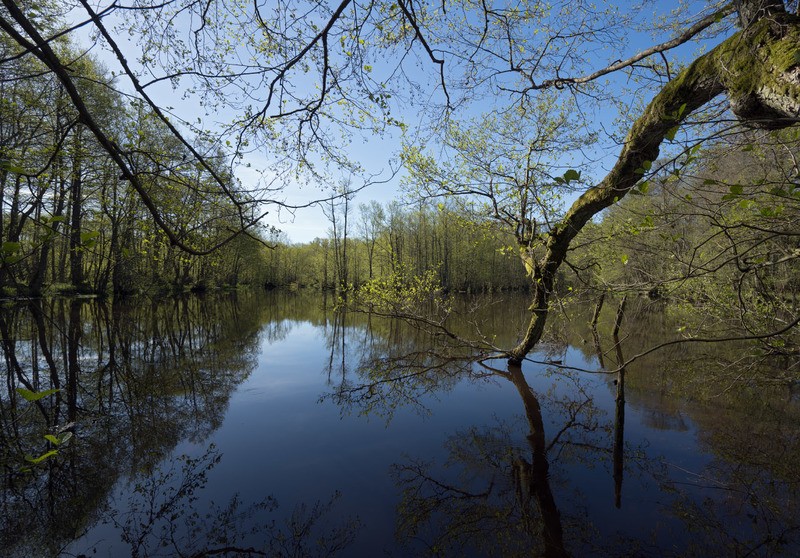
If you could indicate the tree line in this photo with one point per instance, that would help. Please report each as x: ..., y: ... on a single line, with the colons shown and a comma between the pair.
x: 398, y: 239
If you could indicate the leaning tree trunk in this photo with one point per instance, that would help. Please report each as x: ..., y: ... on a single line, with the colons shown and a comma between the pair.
x: 758, y: 68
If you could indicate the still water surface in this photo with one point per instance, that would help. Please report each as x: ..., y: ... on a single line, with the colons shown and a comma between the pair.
x: 268, y: 424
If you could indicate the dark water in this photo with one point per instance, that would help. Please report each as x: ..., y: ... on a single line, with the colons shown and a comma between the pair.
x: 254, y: 425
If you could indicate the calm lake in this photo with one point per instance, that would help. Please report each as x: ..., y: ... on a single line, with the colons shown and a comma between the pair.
x: 268, y: 424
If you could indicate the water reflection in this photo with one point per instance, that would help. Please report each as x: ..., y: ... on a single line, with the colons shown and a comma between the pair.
x: 164, y: 515
x: 133, y: 380
x: 493, y: 494
x: 193, y: 418
x: 488, y: 498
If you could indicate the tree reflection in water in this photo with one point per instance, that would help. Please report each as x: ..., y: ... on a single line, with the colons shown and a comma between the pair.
x: 132, y: 379
x: 501, y: 502
x: 573, y: 465
x: 163, y: 516
x: 495, y: 495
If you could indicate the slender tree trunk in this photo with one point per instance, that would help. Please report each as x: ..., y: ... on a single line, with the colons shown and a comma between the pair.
x: 76, y: 217
x: 74, y: 334
x: 618, y: 450
x: 37, y: 280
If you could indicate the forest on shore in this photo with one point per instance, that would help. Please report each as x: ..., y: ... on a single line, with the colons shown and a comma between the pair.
x: 720, y: 225
x: 103, y: 194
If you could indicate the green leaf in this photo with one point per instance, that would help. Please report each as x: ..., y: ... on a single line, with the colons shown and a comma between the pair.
x: 59, y: 440
x: 624, y: 259
x: 646, y: 166
x: 736, y: 189
x: 571, y: 175
x: 10, y: 247
x: 7, y: 165
x: 670, y: 135
x: 644, y: 187
x: 36, y: 460
x: 88, y: 236
x: 29, y: 395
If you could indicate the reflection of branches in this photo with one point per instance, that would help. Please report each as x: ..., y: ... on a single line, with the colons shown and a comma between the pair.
x: 419, y: 356
x: 162, y: 517
x: 301, y: 537
x: 386, y: 383
x: 732, y: 338
x: 498, y: 501
x: 158, y: 499
x: 134, y: 380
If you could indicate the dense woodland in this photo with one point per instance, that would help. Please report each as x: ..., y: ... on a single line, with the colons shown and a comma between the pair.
x: 726, y: 220
x: 71, y: 222
x: 717, y: 231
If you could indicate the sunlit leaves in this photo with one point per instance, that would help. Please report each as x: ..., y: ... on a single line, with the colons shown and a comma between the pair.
x: 405, y: 294
x: 89, y: 238
x: 570, y: 176
x: 646, y: 166
x: 41, y: 458
x: 29, y: 395
x: 8, y: 166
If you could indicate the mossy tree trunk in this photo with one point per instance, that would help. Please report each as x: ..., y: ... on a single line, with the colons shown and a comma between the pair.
x: 759, y: 70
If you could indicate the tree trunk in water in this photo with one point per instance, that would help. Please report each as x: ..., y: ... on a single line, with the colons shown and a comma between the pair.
x: 758, y: 68
x: 74, y: 334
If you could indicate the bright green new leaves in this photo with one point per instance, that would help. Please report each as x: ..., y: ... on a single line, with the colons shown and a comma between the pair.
x: 89, y: 238
x: 504, y: 168
x: 29, y: 395
x: 10, y: 252
x: 570, y: 176
x: 41, y: 458
x: 58, y: 440
x: 405, y: 294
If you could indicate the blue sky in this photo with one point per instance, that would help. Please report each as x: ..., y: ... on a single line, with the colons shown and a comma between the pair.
x: 375, y: 153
